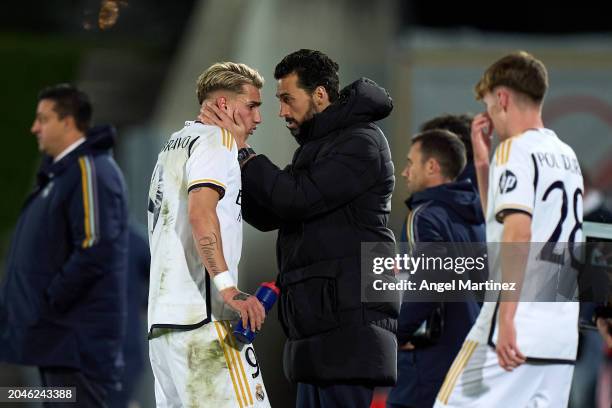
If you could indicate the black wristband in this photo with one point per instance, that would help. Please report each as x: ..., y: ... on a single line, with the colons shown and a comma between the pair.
x: 245, y: 153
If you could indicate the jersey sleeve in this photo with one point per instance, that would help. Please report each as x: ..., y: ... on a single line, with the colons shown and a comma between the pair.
x: 210, y: 160
x: 513, y: 179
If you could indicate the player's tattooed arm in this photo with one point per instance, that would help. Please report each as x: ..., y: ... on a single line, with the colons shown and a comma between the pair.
x: 241, y: 296
x: 208, y: 249
x: 248, y: 307
x: 206, y: 229
x: 207, y: 236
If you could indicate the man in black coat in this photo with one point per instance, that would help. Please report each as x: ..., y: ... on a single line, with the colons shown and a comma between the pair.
x: 62, y: 302
x: 333, y: 196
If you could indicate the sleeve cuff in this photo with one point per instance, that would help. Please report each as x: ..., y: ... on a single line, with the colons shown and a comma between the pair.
x: 215, y: 185
x: 503, y: 210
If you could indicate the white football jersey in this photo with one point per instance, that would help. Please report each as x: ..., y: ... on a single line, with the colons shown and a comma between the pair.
x: 181, y: 295
x: 538, y: 174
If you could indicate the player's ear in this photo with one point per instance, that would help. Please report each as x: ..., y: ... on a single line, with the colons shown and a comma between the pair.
x: 503, y: 97
x: 221, y: 102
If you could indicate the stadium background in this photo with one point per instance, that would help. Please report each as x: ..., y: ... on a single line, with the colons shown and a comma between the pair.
x: 140, y: 72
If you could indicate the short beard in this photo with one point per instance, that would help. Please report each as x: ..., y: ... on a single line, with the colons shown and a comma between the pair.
x: 312, y: 111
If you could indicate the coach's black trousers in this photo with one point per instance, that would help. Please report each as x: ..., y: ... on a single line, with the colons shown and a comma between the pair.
x: 334, y: 396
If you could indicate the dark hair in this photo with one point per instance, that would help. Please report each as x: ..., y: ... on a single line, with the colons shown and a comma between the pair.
x: 519, y: 71
x: 313, y: 69
x: 461, y: 125
x: 445, y: 147
x: 69, y: 101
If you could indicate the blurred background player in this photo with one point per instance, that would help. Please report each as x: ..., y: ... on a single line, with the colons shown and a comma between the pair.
x: 442, y: 209
x: 520, y: 352
x: 195, y: 233
x: 65, y: 302
x: 460, y: 125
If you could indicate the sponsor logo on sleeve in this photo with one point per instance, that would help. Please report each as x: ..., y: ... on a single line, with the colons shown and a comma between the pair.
x: 507, y: 182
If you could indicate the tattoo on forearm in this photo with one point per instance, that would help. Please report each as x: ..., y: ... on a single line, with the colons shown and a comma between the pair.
x: 241, y: 296
x: 208, y: 248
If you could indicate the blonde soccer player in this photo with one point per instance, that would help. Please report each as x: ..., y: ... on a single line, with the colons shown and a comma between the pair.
x: 195, y: 233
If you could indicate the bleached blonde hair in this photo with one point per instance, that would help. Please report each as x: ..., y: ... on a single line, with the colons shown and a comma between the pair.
x: 230, y: 76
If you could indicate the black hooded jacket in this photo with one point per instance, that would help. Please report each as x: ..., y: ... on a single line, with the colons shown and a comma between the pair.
x: 448, y: 213
x: 335, y: 195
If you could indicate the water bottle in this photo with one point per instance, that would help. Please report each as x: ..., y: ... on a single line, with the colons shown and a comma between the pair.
x: 267, y: 293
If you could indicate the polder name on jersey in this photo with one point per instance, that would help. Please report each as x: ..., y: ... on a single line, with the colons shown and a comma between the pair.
x: 558, y: 161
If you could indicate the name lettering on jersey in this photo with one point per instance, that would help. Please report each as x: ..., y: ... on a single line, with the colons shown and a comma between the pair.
x: 507, y: 182
x: 239, y: 202
x: 558, y: 161
x: 178, y: 143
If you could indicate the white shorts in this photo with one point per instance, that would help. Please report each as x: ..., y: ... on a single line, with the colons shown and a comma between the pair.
x: 206, y: 367
x: 476, y: 380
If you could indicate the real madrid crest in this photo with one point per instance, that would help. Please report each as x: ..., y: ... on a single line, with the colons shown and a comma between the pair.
x: 259, y: 392
x: 47, y: 190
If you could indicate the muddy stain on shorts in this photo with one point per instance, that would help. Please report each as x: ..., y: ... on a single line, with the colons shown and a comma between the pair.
x: 162, y: 280
x: 167, y: 219
x: 206, y: 363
